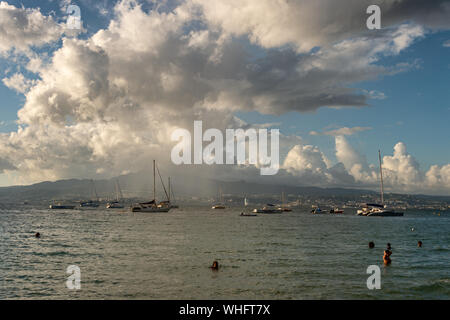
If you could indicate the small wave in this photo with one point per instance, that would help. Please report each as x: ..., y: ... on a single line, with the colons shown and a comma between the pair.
x: 51, y: 254
x: 440, y: 287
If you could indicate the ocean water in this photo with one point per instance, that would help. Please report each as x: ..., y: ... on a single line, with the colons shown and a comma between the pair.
x: 295, y: 255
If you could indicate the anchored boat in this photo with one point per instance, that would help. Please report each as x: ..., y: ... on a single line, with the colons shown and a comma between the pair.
x: 220, y: 204
x: 268, y: 209
x: 153, y: 206
x: 378, y: 210
x: 91, y: 203
x: 119, y: 196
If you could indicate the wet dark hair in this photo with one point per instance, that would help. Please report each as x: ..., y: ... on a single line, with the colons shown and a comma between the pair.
x: 371, y: 244
x: 37, y: 235
x: 215, y: 265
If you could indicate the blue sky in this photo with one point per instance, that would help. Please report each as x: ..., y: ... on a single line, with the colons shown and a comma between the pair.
x: 415, y: 109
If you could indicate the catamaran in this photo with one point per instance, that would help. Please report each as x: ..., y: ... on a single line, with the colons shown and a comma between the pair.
x: 153, y: 206
x: 378, y: 210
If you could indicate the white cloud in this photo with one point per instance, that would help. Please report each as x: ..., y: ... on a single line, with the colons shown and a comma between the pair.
x: 308, y: 163
x: 18, y: 83
x: 401, y: 170
x: 22, y: 28
x: 107, y: 104
x: 344, y: 131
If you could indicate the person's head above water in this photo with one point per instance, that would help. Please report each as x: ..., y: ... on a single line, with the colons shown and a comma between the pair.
x: 215, y: 265
x: 419, y: 243
x: 371, y: 244
x: 37, y: 235
x: 389, y: 246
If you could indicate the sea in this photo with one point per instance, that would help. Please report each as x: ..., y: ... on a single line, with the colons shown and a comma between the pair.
x: 294, y: 255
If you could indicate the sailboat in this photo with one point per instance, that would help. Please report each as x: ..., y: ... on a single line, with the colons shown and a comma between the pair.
x: 91, y: 203
x: 247, y: 214
x: 268, y: 208
x: 153, y: 206
x: 219, y: 205
x: 379, y: 210
x: 116, y: 204
x: 172, y: 203
x: 283, y: 204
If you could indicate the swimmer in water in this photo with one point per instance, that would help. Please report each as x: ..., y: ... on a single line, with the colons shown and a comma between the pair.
x: 419, y: 244
x: 371, y: 245
x: 387, y: 255
x: 215, y: 266
x: 37, y: 235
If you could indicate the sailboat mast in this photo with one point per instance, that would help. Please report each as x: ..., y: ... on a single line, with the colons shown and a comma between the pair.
x: 154, y: 181
x: 169, y: 190
x: 381, y: 178
x: 94, y: 189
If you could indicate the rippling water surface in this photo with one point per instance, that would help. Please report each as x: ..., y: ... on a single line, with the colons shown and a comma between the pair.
x: 295, y: 255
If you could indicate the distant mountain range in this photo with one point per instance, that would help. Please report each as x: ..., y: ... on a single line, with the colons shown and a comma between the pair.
x: 140, y: 186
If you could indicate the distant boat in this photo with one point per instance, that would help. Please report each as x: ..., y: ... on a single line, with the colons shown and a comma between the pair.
x: 119, y: 196
x: 61, y: 207
x: 283, y: 204
x: 91, y: 203
x: 336, y: 210
x: 268, y: 209
x: 114, y: 205
x: 318, y: 211
x: 219, y: 205
x: 247, y: 214
x: 153, y: 206
x: 378, y: 210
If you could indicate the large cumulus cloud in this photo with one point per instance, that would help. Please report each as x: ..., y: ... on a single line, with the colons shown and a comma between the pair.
x: 105, y: 105
x: 22, y: 28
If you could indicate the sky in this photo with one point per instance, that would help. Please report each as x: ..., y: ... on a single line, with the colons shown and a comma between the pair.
x: 102, y: 101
